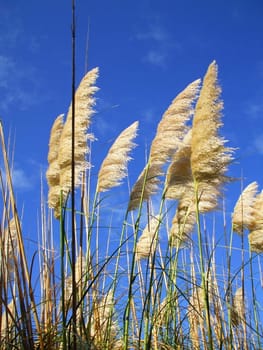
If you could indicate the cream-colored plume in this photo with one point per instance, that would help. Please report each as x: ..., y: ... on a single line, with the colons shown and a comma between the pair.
x: 84, y: 102
x: 237, y: 310
x: 103, y: 322
x: 183, y: 222
x: 114, y: 167
x: 145, y: 186
x: 169, y: 135
x: 255, y: 236
x: 147, y: 241
x: 53, y: 172
x: 59, y: 173
x: 242, y: 216
x: 209, y: 158
x: 179, y: 175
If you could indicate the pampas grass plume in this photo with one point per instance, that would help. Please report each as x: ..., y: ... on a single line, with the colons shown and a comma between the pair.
x: 114, y: 167
x: 169, y: 135
x: 242, y: 217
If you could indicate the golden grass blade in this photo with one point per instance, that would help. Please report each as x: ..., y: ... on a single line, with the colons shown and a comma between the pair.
x: 242, y: 216
x: 114, y: 167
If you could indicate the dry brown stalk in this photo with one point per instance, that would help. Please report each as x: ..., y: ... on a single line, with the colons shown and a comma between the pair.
x: 20, y: 243
x: 169, y: 135
x: 7, y: 319
x: 10, y: 244
x: 114, y: 167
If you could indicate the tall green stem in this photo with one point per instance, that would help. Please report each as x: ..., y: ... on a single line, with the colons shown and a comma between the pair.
x: 202, y: 267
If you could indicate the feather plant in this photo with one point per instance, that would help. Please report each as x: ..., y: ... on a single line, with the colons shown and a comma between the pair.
x: 255, y: 236
x: 169, y: 135
x: 147, y: 241
x: 53, y: 172
x: 114, y: 167
x: 210, y: 157
x: 60, y: 146
x: 242, y: 216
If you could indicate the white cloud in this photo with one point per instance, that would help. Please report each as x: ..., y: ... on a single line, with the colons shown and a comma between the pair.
x: 7, y: 68
x: 154, y: 32
x: 156, y: 58
x: 255, y: 110
x: 160, y: 44
x: 258, y: 144
x: 17, y: 86
x: 20, y: 180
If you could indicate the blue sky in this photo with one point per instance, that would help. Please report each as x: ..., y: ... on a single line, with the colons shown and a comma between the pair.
x: 147, y: 52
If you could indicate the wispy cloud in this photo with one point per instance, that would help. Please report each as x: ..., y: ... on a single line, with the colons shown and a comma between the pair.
x: 20, y: 179
x: 154, y: 32
x: 255, y: 110
x: 258, y: 143
x: 17, y: 86
x: 159, y: 44
x: 157, y: 58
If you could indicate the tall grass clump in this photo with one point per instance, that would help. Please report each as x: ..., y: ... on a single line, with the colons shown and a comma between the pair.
x: 173, y: 270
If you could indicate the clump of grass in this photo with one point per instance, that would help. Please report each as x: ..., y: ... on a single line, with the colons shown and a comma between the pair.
x: 167, y: 281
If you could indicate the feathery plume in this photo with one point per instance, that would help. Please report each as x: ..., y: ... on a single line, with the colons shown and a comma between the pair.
x: 53, y: 172
x: 209, y: 158
x: 103, y: 324
x: 179, y: 174
x: 60, y: 145
x: 172, y: 127
x: 145, y: 186
x: 242, y: 216
x: 84, y: 102
x: 147, y: 241
x: 114, y: 167
x: 237, y: 310
x: 255, y: 226
x: 169, y: 135
x: 183, y: 222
